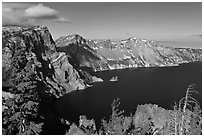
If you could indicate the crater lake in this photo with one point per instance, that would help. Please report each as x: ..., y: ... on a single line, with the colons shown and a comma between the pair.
x: 162, y: 86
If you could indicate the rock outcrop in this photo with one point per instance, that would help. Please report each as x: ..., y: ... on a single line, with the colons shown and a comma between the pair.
x: 96, y: 79
x: 35, y: 44
x: 130, y: 53
x: 65, y: 73
x: 5, y: 97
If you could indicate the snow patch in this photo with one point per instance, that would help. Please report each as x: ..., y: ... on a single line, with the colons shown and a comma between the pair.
x: 126, y: 57
x: 109, y: 59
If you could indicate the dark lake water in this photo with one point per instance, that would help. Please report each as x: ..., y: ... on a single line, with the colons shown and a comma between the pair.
x: 161, y: 86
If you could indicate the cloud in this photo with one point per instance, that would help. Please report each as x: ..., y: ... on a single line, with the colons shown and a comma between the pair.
x: 41, y: 11
x: 62, y: 19
x: 13, y: 15
x: 7, y: 9
x: 44, y: 12
x: 29, y: 14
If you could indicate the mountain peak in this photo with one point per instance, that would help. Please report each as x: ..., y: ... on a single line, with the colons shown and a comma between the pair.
x: 132, y: 38
x: 72, y: 38
x: 76, y: 37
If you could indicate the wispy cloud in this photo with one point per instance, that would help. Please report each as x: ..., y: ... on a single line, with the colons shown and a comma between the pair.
x: 29, y: 14
x: 63, y: 20
x: 13, y: 14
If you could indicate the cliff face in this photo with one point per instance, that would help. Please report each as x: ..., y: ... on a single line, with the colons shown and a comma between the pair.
x: 21, y: 45
x: 106, y: 54
x: 65, y: 73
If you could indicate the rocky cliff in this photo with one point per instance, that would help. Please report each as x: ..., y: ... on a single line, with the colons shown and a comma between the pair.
x: 34, y: 45
x: 130, y: 53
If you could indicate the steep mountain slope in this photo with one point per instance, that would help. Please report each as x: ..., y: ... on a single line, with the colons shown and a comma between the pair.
x: 127, y: 53
x: 34, y: 45
x: 80, y: 54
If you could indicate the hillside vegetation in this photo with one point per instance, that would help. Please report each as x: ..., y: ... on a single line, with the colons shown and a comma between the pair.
x: 149, y: 119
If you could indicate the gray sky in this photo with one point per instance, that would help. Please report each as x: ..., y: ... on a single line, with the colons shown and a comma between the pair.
x: 109, y: 20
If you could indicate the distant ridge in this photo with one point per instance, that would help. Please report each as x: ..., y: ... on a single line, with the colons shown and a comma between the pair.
x: 119, y: 54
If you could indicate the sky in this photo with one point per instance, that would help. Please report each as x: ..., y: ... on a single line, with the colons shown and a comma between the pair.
x: 119, y: 20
